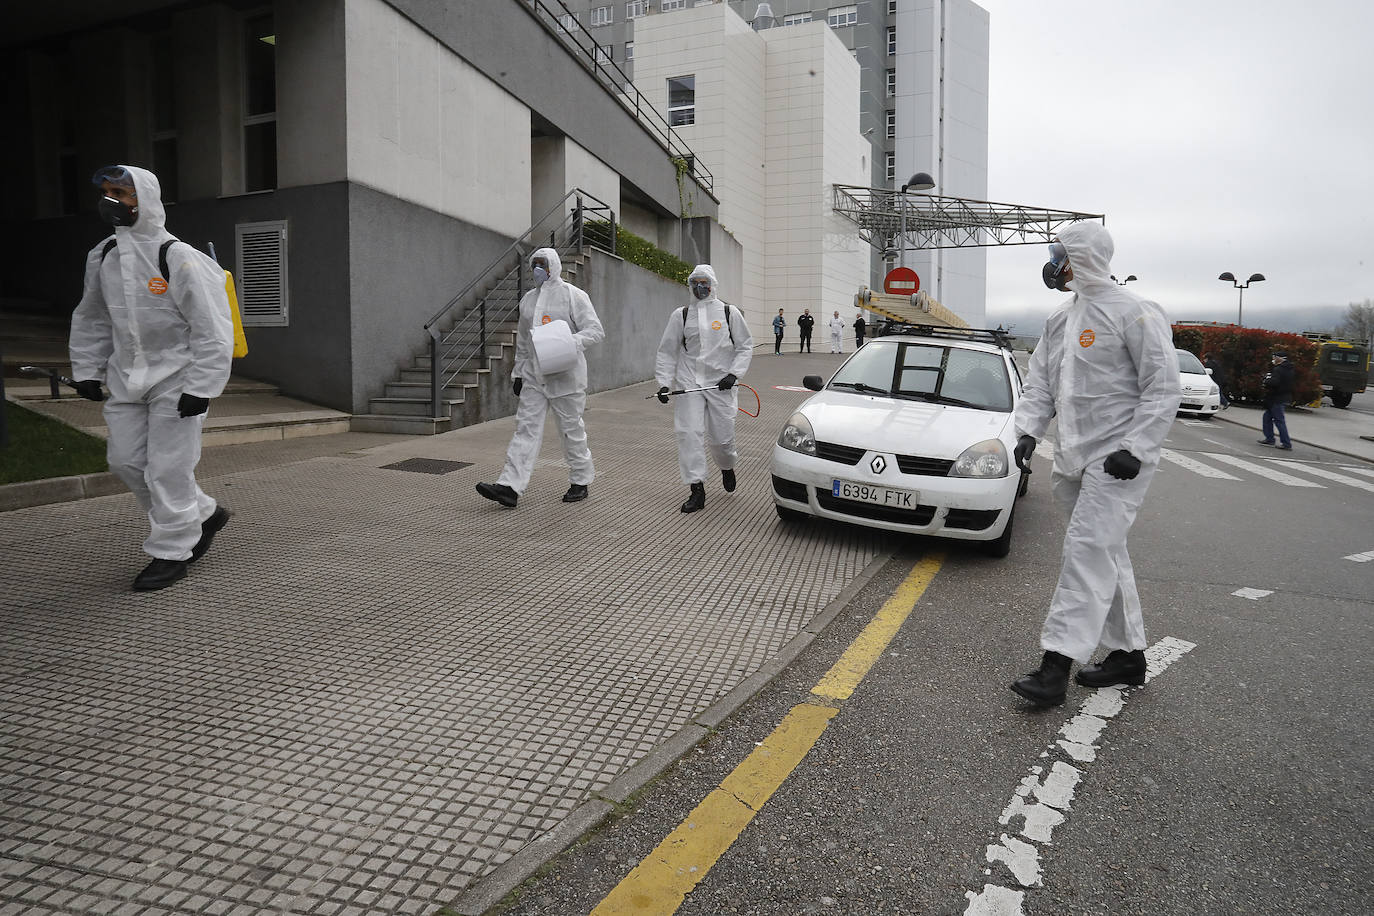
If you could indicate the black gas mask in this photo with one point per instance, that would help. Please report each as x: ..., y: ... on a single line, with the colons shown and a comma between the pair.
x: 701, y: 289
x: 117, y: 213
x: 1056, y: 267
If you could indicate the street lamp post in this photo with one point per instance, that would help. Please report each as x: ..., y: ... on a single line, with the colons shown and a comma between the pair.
x: 918, y: 182
x: 1240, y: 305
x: 1125, y: 281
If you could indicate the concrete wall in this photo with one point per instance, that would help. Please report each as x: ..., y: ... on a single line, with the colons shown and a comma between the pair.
x: 312, y: 81
x: 705, y: 241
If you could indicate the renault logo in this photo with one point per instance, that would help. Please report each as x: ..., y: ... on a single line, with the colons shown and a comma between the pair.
x: 878, y: 464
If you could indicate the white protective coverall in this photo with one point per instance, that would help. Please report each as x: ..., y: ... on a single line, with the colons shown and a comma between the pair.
x: 697, y: 354
x: 1106, y: 370
x: 151, y: 341
x: 836, y: 325
x: 565, y: 393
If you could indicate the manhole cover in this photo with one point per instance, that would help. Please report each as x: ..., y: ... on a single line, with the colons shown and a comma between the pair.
x: 427, y: 465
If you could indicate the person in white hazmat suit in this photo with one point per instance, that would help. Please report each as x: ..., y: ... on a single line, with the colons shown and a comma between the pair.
x: 540, y: 389
x: 706, y: 344
x: 163, y: 346
x: 1107, y: 372
x: 836, y: 325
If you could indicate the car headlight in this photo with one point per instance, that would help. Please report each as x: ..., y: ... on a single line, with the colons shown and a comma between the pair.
x: 797, y: 436
x: 986, y: 459
x: 1214, y: 390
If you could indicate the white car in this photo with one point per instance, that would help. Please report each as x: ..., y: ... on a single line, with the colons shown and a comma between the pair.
x: 913, y: 433
x: 1201, y: 396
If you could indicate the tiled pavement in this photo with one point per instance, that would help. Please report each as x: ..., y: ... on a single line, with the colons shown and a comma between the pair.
x: 377, y: 687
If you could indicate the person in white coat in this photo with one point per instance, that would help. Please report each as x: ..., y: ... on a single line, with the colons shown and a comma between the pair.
x: 560, y: 386
x: 1107, y: 372
x: 836, y: 325
x: 706, y: 344
x: 162, y: 343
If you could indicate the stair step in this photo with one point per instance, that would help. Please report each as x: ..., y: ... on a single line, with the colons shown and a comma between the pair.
x: 407, y: 407
x: 422, y: 390
x: 420, y: 376
x: 406, y: 425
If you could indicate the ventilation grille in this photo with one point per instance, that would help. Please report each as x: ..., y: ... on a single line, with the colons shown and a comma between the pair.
x: 261, y: 277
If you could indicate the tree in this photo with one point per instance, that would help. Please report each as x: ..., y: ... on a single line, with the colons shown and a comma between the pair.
x: 1358, y: 323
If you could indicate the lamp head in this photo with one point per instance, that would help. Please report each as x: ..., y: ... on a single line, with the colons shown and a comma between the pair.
x: 1254, y: 278
x: 1228, y: 276
x: 918, y: 182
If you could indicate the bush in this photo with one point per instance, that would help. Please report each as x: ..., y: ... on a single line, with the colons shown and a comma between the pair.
x: 646, y: 254
x: 1244, y: 355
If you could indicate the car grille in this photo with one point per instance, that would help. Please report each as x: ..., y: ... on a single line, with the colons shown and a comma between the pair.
x: 921, y: 515
x: 789, y: 489
x: 1190, y: 406
x: 843, y: 454
x: 971, y: 519
x: 929, y: 467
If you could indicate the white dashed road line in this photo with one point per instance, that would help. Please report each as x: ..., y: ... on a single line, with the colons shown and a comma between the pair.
x: 1361, y: 557
x: 1197, y: 467
x: 1254, y: 594
x: 1317, y: 470
x: 1042, y: 801
x: 1288, y: 480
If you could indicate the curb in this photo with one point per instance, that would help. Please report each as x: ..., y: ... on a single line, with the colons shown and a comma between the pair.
x: 29, y: 493
x: 586, y: 817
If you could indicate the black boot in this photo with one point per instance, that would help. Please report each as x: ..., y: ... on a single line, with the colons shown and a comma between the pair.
x: 499, y: 492
x: 159, y: 574
x: 576, y: 493
x: 1119, y: 667
x: 208, y: 529
x: 1048, y: 685
x: 697, y: 500
x: 727, y: 480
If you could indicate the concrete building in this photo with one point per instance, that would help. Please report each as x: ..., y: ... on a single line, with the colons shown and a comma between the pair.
x: 923, y: 99
x: 356, y: 161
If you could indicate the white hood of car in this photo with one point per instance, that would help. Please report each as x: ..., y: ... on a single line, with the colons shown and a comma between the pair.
x: 900, y: 427
x: 1192, y: 381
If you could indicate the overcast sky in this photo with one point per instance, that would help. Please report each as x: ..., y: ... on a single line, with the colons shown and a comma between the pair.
x: 1216, y: 135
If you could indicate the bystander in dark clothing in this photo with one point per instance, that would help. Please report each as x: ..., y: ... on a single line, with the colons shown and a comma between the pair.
x: 1210, y: 361
x: 779, y: 324
x: 806, y: 323
x: 1279, y: 383
x: 859, y: 326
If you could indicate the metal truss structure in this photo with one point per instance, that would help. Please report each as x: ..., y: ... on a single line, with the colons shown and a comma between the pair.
x: 933, y: 221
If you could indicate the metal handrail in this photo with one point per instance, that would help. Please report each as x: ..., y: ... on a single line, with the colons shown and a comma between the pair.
x: 623, y: 90
x: 590, y: 223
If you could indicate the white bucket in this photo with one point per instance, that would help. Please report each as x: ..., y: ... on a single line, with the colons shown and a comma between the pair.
x: 554, y: 348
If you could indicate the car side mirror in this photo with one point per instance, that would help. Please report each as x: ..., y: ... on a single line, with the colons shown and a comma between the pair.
x: 813, y: 382
x: 1209, y: 371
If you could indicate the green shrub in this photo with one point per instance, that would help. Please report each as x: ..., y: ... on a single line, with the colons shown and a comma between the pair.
x: 1244, y: 355
x: 646, y: 254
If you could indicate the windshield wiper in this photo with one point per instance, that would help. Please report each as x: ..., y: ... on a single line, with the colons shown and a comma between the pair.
x: 859, y: 386
x: 933, y: 398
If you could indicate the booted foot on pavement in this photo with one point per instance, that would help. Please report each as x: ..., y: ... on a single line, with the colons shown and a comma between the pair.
x: 500, y: 493
x: 208, y: 529
x: 697, y: 500
x: 727, y: 480
x: 1119, y: 667
x: 159, y: 574
x: 576, y: 493
x: 1048, y: 685
x: 1265, y: 441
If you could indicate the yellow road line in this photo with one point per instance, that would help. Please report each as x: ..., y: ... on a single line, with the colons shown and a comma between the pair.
x: 839, y: 682
x: 660, y: 882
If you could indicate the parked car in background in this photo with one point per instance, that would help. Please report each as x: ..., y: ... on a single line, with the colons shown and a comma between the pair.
x: 1201, y: 396
x: 912, y: 433
x: 1343, y: 368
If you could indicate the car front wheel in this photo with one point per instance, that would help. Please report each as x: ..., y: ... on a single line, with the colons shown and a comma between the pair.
x: 1001, y: 546
x: 789, y: 515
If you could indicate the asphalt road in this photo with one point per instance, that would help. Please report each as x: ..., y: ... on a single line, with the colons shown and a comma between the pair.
x: 1236, y: 781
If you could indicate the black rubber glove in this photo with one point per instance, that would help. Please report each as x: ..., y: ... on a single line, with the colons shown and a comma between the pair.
x: 517, y: 385
x: 90, y: 390
x: 192, y: 406
x: 663, y: 394
x: 1122, y: 465
x: 1025, y: 447
x: 726, y: 383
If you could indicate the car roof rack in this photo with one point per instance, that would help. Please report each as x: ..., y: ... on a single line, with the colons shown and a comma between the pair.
x: 981, y: 335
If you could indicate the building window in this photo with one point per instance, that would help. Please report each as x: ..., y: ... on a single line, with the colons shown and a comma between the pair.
x: 600, y: 15
x: 568, y: 23
x: 891, y: 125
x: 682, y: 101
x: 891, y: 40
x: 841, y: 16
x: 162, y: 94
x: 636, y: 8
x: 260, y: 280
x: 891, y: 83
x: 891, y: 166
x: 665, y: 6
x: 259, y: 104
x: 603, y: 54
x: 892, y: 7
x: 629, y: 50
x: 796, y: 19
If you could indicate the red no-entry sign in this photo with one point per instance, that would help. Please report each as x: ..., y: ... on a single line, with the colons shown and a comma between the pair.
x: 901, y: 281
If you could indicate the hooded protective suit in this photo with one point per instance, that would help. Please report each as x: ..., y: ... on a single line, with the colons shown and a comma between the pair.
x: 151, y: 341
x: 836, y: 325
x: 698, y: 353
x: 1107, y: 371
x: 565, y: 393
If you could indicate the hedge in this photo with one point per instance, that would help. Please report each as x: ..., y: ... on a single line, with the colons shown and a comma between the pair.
x: 1245, y: 358
x: 646, y: 254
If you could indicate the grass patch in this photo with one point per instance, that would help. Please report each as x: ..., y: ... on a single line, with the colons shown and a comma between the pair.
x: 41, y: 447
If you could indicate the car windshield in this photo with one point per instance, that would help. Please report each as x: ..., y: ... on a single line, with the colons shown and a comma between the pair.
x: 927, y: 372
x: 1187, y: 362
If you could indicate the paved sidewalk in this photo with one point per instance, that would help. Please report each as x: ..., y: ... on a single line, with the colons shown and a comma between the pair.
x: 378, y: 687
x: 1349, y: 432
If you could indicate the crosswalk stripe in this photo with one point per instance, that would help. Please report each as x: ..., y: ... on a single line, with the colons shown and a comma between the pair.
x: 1365, y: 471
x: 1317, y: 470
x: 1197, y: 467
x: 1288, y: 480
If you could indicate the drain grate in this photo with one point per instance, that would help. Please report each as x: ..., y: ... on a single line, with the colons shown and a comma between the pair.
x: 427, y: 465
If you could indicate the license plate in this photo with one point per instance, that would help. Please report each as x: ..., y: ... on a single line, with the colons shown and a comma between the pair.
x: 882, y: 496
